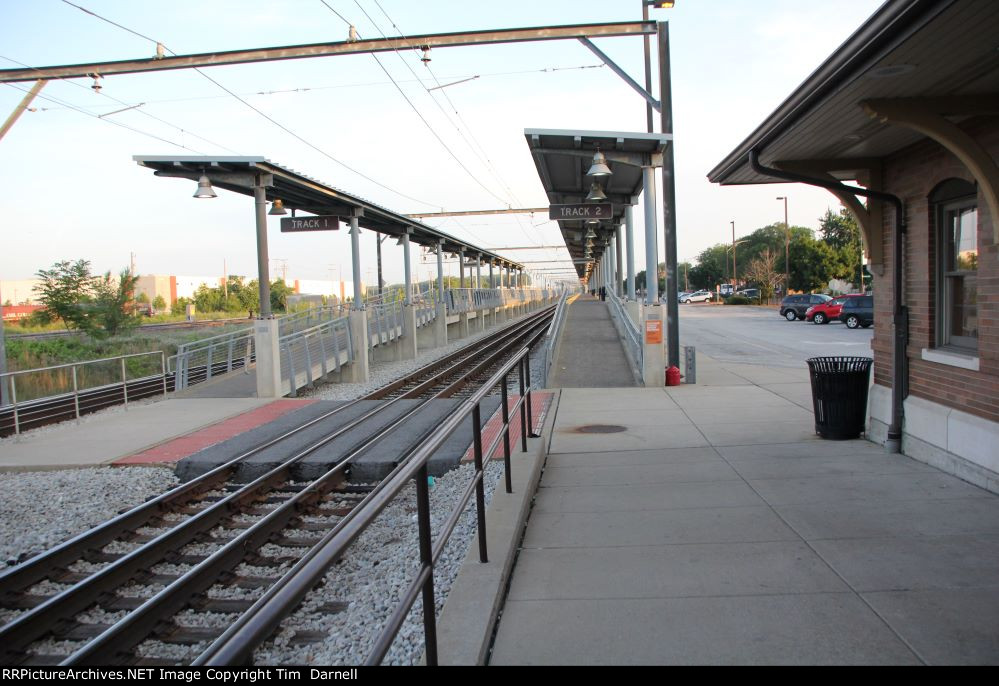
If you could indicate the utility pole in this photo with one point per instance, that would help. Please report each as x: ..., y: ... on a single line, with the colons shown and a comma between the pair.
x: 378, y: 245
x: 787, y: 249
x: 735, y: 271
x: 4, y: 399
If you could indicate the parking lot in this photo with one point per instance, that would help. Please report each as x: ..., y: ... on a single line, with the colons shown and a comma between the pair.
x: 758, y: 335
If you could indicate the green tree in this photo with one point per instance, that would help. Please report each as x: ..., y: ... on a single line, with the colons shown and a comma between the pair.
x: 63, y: 290
x: 110, y: 310
x: 279, y: 295
x: 159, y: 304
x: 180, y: 306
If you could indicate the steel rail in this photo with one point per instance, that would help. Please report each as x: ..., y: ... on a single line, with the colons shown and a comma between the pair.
x: 235, y: 646
x: 36, y: 622
x: 134, y: 628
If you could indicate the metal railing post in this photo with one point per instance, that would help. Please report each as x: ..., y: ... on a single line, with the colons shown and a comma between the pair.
x: 124, y: 382
x: 163, y: 369
x: 13, y: 400
x: 530, y: 409
x: 427, y: 560
x: 76, y: 394
x: 292, y: 383
x: 480, y: 491
x: 523, y: 408
x: 208, y: 363
x: 506, y: 435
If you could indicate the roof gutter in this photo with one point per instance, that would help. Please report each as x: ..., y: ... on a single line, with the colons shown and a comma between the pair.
x: 900, y: 313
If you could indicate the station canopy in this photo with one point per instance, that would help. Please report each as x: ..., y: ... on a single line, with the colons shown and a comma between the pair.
x: 563, y: 158
x: 301, y: 193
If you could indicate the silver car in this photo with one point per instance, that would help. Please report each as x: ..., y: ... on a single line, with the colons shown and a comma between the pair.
x: 697, y: 297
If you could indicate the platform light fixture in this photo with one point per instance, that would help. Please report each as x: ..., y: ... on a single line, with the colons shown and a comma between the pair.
x: 277, y: 207
x: 599, y: 168
x: 204, y: 188
x: 596, y: 193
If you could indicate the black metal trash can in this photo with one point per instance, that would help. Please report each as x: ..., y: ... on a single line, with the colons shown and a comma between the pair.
x: 839, y: 395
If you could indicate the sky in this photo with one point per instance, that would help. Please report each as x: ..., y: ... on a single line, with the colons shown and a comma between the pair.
x: 72, y: 191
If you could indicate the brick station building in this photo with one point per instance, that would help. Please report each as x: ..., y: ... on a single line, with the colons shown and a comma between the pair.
x: 907, y: 111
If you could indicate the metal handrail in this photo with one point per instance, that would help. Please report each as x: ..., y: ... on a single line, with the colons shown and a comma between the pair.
x: 553, y: 333
x: 227, y: 343
x: 627, y: 328
x: 9, y: 377
x: 326, y: 342
x: 255, y: 625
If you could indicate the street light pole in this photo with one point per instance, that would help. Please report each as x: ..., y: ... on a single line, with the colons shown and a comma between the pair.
x: 787, y: 248
x: 735, y: 278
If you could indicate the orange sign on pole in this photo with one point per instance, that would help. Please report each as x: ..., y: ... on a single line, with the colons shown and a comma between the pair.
x: 653, y: 331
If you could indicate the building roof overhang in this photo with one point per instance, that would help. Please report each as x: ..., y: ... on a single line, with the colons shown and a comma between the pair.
x: 931, y: 56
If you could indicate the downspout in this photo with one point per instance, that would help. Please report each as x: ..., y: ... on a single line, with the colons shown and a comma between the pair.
x: 900, y: 314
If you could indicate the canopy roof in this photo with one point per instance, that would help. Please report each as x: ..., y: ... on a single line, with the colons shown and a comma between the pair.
x: 563, y: 157
x: 304, y: 194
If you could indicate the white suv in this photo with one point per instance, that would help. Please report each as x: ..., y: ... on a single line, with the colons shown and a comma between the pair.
x: 697, y: 297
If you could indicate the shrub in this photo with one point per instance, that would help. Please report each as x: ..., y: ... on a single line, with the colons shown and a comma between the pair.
x: 738, y: 300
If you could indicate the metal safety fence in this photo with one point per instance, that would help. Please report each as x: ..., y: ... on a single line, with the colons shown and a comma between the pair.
x: 627, y: 328
x: 309, y: 355
x: 201, y: 360
x: 38, y: 396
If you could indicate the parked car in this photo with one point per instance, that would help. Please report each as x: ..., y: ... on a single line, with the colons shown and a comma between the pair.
x: 823, y: 313
x: 726, y: 289
x: 751, y: 293
x: 697, y: 297
x: 683, y: 294
x: 858, y: 312
x: 794, y: 306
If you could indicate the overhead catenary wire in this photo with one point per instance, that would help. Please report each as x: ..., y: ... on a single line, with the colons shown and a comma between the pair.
x: 483, y: 157
x: 413, y: 106
x: 127, y: 107
x: 70, y: 106
x: 260, y: 112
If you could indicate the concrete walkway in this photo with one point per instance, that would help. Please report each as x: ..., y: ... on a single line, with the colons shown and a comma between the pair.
x: 589, y: 353
x: 111, y: 435
x: 716, y: 528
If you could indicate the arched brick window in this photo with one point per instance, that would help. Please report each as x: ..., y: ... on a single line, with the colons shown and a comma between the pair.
x: 955, y: 208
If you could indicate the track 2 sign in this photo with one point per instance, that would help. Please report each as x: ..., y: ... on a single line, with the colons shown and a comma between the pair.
x: 589, y: 210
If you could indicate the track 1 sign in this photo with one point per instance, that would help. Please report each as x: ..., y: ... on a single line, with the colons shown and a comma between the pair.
x: 589, y: 210
x: 323, y: 223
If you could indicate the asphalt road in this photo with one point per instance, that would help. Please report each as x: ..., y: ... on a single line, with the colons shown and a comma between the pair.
x: 758, y: 335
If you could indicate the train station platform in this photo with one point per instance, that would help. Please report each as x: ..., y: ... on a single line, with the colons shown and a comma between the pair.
x: 707, y: 524
x: 590, y: 354
x: 163, y: 431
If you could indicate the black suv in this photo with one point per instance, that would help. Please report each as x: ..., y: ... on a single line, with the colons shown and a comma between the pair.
x: 858, y: 312
x: 794, y: 306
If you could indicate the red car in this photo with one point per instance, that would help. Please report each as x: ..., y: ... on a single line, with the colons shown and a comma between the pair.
x: 829, y: 310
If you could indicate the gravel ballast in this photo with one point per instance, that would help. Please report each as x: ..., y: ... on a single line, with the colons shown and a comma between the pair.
x: 373, y: 576
x: 40, y: 509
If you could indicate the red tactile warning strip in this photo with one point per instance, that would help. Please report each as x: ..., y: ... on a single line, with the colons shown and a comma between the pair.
x: 540, y: 402
x: 182, y: 446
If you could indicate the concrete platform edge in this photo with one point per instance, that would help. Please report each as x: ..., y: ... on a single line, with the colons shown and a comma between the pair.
x: 465, y: 627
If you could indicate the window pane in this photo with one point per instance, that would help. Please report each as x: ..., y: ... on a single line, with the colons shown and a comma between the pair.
x: 963, y: 249
x: 964, y: 307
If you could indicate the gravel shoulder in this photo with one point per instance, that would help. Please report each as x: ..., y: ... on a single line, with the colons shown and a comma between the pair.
x: 40, y: 509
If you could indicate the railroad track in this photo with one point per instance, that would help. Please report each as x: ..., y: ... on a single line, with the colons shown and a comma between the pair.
x: 161, y: 582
